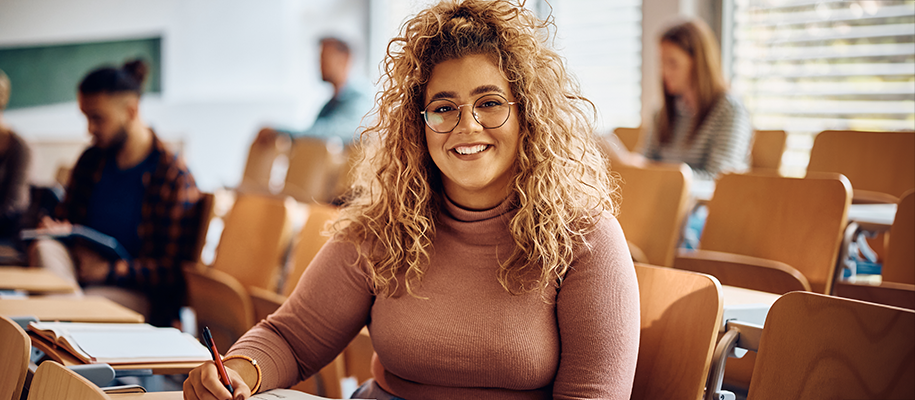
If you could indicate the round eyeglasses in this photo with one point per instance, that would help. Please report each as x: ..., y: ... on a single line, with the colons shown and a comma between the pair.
x: 490, y: 110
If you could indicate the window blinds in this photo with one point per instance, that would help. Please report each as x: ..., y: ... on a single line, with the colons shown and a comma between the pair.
x: 806, y: 66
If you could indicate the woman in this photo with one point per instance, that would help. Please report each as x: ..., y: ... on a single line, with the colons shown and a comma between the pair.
x: 700, y: 123
x: 478, y: 246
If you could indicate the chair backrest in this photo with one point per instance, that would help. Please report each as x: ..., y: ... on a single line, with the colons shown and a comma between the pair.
x: 314, y: 166
x: 799, y: 222
x: 14, y: 358
x: 630, y: 137
x: 899, y: 265
x: 309, y: 240
x: 53, y: 381
x: 881, y: 162
x: 655, y: 201
x: 259, y: 165
x: 205, y: 214
x: 767, y: 150
x: 822, y: 347
x: 256, y: 233
x: 221, y: 303
x: 680, y: 317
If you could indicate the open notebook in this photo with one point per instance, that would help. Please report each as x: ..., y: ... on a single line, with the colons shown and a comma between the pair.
x: 277, y: 394
x: 122, y: 343
x: 103, y: 244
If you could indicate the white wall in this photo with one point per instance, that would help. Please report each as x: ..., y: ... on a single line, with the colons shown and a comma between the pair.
x: 229, y: 67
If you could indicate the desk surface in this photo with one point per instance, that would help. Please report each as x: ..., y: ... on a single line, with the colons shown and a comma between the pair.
x: 745, y: 305
x: 875, y: 214
x: 75, y: 309
x: 33, y: 280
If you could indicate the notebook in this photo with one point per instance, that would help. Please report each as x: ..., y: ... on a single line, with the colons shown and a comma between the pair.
x: 103, y: 244
x: 278, y: 394
x: 122, y: 343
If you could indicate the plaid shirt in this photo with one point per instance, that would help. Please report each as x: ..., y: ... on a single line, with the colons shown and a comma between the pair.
x: 168, y: 228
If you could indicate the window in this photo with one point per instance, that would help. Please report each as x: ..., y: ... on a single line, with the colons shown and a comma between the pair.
x: 806, y: 66
x: 600, y: 40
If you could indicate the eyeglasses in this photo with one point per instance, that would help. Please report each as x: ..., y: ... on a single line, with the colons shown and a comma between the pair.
x: 491, y: 111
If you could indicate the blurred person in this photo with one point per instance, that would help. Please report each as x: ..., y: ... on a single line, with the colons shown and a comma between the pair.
x: 700, y: 123
x: 342, y: 115
x: 14, y: 163
x: 129, y: 186
x: 479, y: 245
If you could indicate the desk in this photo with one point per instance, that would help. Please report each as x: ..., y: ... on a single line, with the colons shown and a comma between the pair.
x: 745, y: 305
x: 33, y: 280
x: 75, y: 309
x: 872, y: 215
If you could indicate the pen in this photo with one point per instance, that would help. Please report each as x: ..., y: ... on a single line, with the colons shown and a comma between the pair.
x: 223, y: 376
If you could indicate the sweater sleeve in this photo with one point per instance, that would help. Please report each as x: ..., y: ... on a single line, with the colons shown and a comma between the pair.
x: 328, y: 307
x: 598, y: 313
x: 730, y: 146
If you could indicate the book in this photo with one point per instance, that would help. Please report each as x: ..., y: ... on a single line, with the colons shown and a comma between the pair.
x: 289, y: 394
x: 103, y: 244
x: 122, y: 343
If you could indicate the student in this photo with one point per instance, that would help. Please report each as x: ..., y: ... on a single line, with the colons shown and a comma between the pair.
x: 342, y: 114
x: 700, y: 123
x: 14, y: 162
x: 129, y: 186
x: 479, y: 245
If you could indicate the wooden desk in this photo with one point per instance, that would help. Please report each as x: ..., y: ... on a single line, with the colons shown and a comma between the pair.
x: 74, y: 309
x: 33, y: 280
x: 67, y: 359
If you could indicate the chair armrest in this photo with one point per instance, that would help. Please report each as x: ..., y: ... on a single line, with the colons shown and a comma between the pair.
x: 869, y: 197
x: 744, y: 271
x: 887, y: 293
x: 99, y: 374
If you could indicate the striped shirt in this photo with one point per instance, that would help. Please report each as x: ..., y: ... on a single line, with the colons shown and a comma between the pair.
x: 722, y: 142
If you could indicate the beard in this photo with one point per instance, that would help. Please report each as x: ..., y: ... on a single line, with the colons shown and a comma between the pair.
x: 117, y: 141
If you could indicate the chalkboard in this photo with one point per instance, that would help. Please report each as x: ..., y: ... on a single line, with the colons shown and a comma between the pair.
x: 49, y: 74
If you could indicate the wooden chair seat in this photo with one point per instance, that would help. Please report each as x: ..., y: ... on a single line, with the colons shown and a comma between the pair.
x: 14, y: 358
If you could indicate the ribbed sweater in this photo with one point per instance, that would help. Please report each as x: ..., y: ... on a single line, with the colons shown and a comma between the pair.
x: 467, y: 338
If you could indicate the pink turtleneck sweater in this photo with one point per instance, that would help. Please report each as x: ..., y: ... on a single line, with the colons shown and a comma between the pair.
x: 468, y: 338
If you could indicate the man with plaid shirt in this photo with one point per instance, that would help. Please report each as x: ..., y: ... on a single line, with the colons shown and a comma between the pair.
x: 129, y: 186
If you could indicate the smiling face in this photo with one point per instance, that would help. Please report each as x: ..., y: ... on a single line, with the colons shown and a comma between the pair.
x: 477, y: 164
x: 676, y: 68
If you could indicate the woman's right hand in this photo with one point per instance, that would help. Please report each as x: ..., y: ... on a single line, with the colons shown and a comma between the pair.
x: 203, y: 384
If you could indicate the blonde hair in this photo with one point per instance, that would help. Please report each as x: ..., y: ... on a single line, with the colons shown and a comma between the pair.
x: 561, y: 186
x: 696, y: 39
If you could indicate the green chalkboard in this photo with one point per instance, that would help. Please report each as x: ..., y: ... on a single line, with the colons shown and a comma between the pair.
x: 49, y: 74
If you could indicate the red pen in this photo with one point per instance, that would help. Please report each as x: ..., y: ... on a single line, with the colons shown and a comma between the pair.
x: 223, y: 376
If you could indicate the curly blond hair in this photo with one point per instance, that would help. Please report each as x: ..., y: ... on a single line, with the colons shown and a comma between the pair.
x: 561, y: 184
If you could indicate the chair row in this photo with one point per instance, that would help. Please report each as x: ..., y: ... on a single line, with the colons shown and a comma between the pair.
x: 306, y: 168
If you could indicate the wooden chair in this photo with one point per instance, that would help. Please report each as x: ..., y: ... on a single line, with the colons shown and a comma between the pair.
x: 221, y: 303
x: 680, y: 318
x: 309, y: 240
x: 259, y: 165
x: 798, y: 222
x: 822, y: 347
x: 53, y: 381
x: 14, y: 358
x: 900, y: 258
x: 767, y: 150
x: 205, y: 213
x: 314, y: 166
x: 655, y: 201
x: 898, y: 285
x: 880, y: 165
x: 254, y: 240
x: 630, y: 137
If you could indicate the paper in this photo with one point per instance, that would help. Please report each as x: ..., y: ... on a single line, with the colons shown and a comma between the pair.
x: 278, y: 394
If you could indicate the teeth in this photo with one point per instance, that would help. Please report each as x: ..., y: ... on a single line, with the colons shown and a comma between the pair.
x: 465, y: 150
